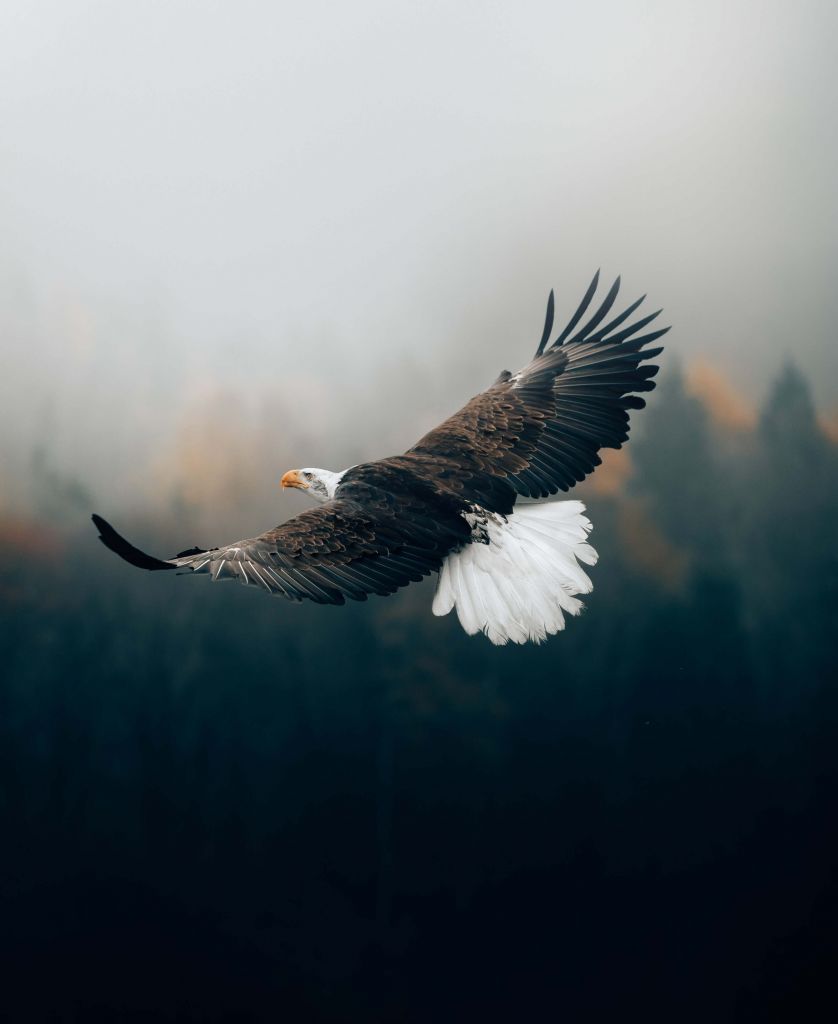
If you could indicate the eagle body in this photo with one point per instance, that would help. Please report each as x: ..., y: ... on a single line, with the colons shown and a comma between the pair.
x: 452, y: 503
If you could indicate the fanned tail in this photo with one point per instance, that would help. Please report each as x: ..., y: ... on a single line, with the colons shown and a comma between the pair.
x: 521, y: 584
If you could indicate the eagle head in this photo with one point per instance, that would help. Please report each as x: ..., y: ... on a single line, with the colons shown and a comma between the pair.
x: 319, y: 484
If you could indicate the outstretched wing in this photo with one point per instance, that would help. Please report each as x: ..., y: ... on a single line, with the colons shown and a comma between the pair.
x: 542, y: 427
x: 337, y: 550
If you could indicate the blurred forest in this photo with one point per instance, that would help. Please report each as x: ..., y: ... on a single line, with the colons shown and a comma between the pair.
x: 216, y: 806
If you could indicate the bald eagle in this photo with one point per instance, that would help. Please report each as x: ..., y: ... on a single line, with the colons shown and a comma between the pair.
x: 449, y: 505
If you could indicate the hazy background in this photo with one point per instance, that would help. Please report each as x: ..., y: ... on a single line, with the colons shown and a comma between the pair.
x: 240, y: 238
x: 271, y: 217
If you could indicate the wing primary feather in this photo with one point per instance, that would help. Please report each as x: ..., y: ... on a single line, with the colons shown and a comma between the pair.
x: 628, y: 354
x: 626, y: 332
x: 600, y: 314
x: 577, y: 316
x: 548, y: 323
x: 308, y: 586
x: 255, y: 569
x: 296, y: 592
x: 603, y: 331
x: 283, y: 587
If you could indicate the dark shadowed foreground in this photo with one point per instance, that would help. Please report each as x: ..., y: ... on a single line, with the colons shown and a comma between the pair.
x: 218, y: 806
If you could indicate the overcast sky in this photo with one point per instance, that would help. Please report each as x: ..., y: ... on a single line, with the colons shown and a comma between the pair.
x: 323, y: 225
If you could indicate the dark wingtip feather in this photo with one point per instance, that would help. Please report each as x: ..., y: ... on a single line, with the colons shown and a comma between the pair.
x: 627, y: 332
x: 120, y: 546
x: 548, y: 323
x: 604, y: 331
x: 600, y: 314
x: 583, y: 305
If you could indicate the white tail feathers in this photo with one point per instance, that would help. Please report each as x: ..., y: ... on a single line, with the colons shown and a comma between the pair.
x: 519, y: 585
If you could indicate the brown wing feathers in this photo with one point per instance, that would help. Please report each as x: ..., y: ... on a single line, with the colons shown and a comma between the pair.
x: 594, y: 391
x: 393, y: 521
x: 337, y: 550
x: 542, y: 427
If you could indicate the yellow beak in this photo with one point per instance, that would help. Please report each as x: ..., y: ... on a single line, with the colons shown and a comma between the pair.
x: 292, y: 479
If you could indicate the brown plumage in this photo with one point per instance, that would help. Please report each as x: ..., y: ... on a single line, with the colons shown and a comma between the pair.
x: 384, y: 524
x: 541, y: 428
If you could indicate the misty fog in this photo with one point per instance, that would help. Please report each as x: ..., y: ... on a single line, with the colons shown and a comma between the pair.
x: 241, y: 238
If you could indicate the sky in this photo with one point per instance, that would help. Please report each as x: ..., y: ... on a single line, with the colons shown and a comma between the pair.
x: 237, y: 238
